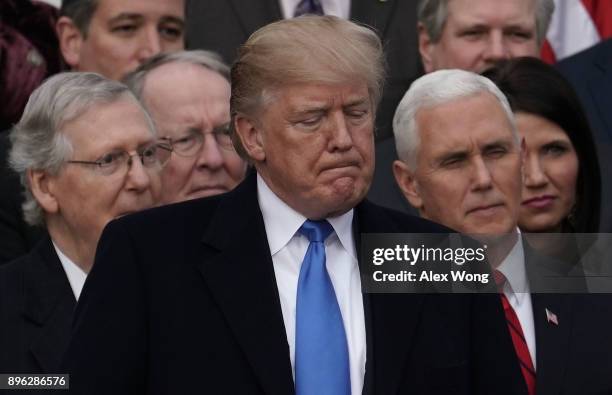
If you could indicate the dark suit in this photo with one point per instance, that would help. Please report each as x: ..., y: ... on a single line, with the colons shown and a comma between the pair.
x: 183, y: 298
x: 36, y: 307
x: 573, y: 356
x: 223, y: 25
x: 16, y: 237
x: 590, y: 73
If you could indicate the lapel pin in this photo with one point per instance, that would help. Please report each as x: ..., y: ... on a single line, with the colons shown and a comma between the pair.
x: 551, y: 317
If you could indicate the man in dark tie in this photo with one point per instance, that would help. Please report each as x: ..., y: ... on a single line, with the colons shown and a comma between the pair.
x: 461, y: 165
x: 258, y: 291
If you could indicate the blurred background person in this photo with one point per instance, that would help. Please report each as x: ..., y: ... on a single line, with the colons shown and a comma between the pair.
x: 113, y: 37
x: 187, y: 93
x: 29, y: 52
x: 590, y: 73
x: 86, y: 152
x: 469, y: 35
x: 110, y: 37
x: 561, y: 189
x: 474, y: 34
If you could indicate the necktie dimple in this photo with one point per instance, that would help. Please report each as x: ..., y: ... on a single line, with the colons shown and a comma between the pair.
x: 516, y: 333
x: 321, y: 351
x: 308, y: 7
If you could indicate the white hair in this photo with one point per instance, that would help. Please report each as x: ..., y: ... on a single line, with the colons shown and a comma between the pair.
x: 37, y: 140
x: 432, y: 90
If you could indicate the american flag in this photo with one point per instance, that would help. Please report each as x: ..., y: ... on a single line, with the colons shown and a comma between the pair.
x: 551, y: 317
x: 577, y: 25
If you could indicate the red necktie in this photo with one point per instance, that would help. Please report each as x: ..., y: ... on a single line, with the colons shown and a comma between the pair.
x: 518, y: 338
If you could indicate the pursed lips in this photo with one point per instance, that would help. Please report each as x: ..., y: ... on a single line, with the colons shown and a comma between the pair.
x: 482, y: 208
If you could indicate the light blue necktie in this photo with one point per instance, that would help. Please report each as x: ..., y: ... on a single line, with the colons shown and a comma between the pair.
x: 321, y: 352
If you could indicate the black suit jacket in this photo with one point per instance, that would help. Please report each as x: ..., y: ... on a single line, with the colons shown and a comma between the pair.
x: 36, y: 308
x: 590, y: 73
x: 183, y: 298
x: 574, y: 355
x: 16, y: 237
x: 223, y: 25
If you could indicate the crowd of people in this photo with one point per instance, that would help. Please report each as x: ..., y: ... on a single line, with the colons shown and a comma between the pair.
x: 185, y: 184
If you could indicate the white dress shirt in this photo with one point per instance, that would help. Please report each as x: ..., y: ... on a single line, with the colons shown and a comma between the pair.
x: 288, y: 248
x: 76, y: 275
x: 516, y: 290
x: 339, y: 8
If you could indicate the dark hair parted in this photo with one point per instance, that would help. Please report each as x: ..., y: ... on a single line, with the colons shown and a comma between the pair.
x: 537, y: 88
x: 80, y: 11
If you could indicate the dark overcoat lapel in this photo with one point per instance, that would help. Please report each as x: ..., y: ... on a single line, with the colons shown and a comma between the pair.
x: 38, y: 291
x: 241, y: 279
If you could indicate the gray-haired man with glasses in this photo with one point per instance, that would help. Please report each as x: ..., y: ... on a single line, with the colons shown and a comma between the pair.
x: 187, y: 94
x: 86, y: 152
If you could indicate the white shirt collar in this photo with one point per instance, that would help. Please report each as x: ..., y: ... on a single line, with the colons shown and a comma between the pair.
x: 282, y: 221
x: 76, y: 275
x: 513, y: 268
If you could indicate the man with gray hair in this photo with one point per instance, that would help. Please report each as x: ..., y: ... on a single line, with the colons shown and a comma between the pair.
x: 187, y: 93
x: 474, y: 34
x: 461, y: 166
x: 258, y: 291
x: 86, y: 152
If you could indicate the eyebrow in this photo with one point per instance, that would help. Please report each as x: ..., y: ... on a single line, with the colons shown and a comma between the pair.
x: 459, y: 154
x: 138, y: 17
x: 126, y: 16
x: 172, y: 19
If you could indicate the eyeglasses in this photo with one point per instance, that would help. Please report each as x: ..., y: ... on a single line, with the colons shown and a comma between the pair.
x: 152, y: 156
x: 193, y: 142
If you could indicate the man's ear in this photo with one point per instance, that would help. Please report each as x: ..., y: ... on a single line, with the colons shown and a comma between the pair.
x: 408, y: 184
x: 70, y: 40
x: 251, y: 137
x: 42, y: 189
x: 426, y: 47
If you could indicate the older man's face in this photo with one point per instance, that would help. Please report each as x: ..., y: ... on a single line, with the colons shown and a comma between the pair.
x: 468, y: 173
x: 87, y: 199
x: 190, y: 105
x: 478, y: 33
x: 315, y: 146
x: 123, y: 34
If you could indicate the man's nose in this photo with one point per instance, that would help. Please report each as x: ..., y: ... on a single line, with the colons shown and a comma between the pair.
x: 340, y: 134
x: 481, y: 174
x: 210, y: 155
x: 497, y: 48
x: 150, y: 44
x: 138, y: 179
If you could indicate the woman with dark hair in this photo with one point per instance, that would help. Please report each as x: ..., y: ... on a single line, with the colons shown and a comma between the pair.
x: 562, y: 186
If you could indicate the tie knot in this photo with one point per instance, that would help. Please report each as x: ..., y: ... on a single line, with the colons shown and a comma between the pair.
x: 500, y: 279
x: 316, y: 230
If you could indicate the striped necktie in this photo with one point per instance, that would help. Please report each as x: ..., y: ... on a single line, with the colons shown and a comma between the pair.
x: 518, y: 338
x: 309, y: 7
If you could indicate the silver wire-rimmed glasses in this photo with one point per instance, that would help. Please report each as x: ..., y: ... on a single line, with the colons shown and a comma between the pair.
x: 152, y: 156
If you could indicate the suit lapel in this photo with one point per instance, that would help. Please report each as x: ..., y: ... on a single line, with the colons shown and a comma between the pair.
x: 599, y: 87
x: 50, y: 305
x: 390, y: 316
x: 254, y: 14
x: 552, y: 340
x: 241, y: 278
x: 374, y: 13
